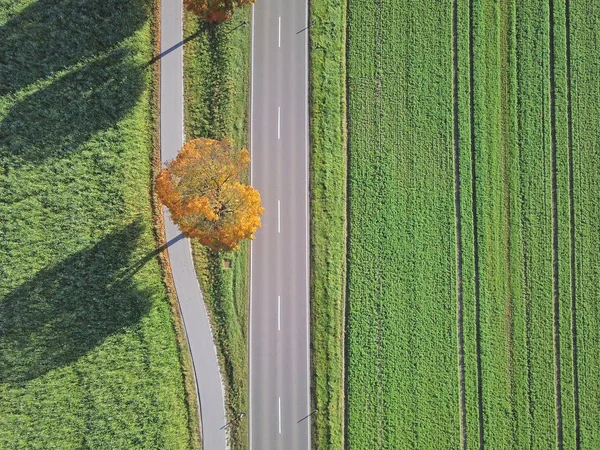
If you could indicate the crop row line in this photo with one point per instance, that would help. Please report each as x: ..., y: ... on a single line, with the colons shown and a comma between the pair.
x: 572, y: 225
x: 459, y: 231
x: 378, y: 100
x: 475, y: 227
x: 458, y: 226
x: 554, y: 183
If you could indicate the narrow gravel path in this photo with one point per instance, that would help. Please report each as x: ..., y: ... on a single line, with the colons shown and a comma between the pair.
x: 197, y: 327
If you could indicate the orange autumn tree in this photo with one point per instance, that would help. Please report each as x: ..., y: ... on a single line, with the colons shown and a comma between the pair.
x: 215, y: 10
x: 202, y: 190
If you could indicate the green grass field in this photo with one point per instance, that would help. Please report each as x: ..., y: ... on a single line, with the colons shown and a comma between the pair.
x: 217, y: 87
x: 88, y: 353
x: 473, y: 280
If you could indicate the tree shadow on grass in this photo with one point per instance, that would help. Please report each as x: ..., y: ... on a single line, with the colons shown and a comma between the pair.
x: 67, y: 310
x: 51, y: 35
x: 57, y: 119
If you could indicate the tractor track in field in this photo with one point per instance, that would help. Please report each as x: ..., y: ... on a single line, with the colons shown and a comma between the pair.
x: 572, y: 227
x: 555, y: 286
x: 458, y: 228
x: 475, y: 238
x: 507, y: 46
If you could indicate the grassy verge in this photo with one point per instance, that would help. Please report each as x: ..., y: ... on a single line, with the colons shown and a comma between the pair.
x: 88, y: 354
x: 217, y: 93
x: 328, y: 219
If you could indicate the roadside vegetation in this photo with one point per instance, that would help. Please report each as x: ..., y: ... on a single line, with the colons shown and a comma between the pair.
x: 88, y: 350
x: 473, y: 166
x: 216, y: 81
x: 328, y: 219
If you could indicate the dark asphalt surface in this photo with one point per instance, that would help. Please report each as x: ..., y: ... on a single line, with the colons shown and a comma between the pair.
x: 199, y: 334
x: 279, y: 310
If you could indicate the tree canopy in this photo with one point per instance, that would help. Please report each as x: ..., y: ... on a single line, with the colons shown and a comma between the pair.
x: 215, y: 10
x: 202, y: 190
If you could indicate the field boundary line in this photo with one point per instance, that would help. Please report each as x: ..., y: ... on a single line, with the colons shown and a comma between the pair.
x: 572, y: 226
x: 458, y: 229
x: 475, y: 238
x: 555, y: 287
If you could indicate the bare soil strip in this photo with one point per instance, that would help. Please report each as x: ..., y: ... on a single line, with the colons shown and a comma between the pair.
x: 572, y: 228
x: 555, y: 292
x: 475, y: 238
x: 459, y: 258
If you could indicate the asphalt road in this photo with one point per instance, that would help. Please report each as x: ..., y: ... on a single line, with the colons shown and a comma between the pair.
x: 279, y: 298
x: 197, y: 328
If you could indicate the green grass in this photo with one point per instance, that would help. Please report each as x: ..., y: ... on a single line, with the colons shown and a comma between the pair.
x: 217, y: 97
x: 88, y: 353
x: 328, y: 219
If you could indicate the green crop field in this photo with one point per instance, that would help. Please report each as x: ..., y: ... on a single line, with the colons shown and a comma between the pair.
x: 88, y: 349
x: 474, y: 157
x: 402, y: 372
